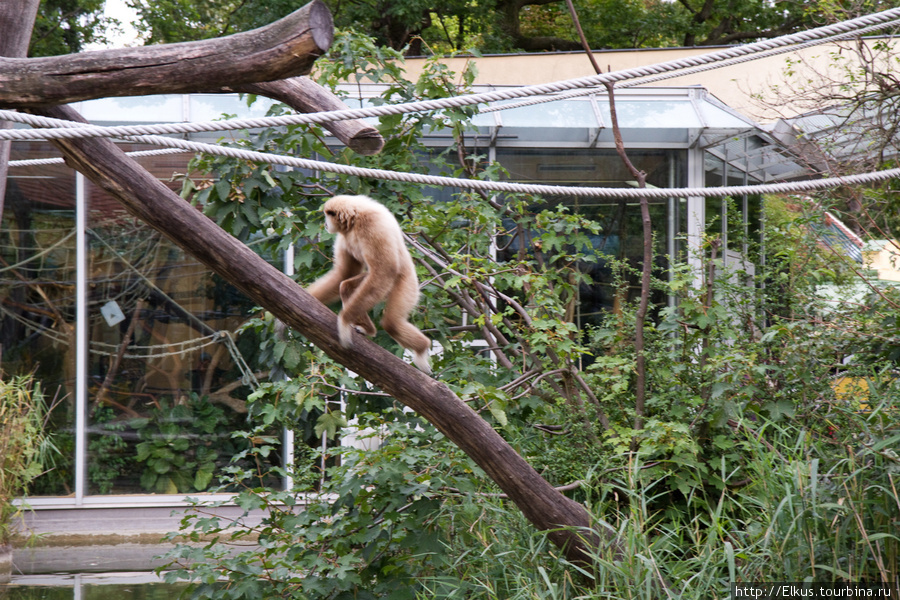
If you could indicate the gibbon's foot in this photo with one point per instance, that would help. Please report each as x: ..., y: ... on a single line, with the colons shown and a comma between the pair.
x: 345, y: 333
x: 422, y: 361
x: 366, y: 328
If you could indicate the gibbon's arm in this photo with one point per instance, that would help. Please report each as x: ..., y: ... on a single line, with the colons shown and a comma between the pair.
x: 379, y: 244
x: 327, y: 288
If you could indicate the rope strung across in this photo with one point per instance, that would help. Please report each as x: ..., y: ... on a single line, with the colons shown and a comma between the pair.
x: 504, y: 186
x: 869, y: 22
x: 55, y: 129
x: 698, y: 69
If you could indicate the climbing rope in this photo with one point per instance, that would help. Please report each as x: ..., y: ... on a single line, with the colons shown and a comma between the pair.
x: 698, y: 69
x: 500, y: 186
x: 39, y: 162
x: 868, y: 22
x: 56, y: 129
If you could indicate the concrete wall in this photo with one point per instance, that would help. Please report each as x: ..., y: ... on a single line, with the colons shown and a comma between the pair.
x: 754, y: 88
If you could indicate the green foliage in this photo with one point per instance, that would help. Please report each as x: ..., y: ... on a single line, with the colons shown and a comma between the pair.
x: 108, y: 451
x: 168, y: 21
x: 182, y: 442
x: 370, y: 531
x: 742, y: 418
x: 67, y: 26
x: 420, y: 28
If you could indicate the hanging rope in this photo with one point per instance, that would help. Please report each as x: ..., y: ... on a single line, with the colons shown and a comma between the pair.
x: 54, y: 128
x: 868, y: 22
x: 38, y: 162
x: 699, y: 69
x: 60, y: 243
x: 504, y: 186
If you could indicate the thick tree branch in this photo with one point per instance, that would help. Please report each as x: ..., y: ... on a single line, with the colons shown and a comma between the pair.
x: 566, y: 522
x: 305, y: 95
x: 285, y: 48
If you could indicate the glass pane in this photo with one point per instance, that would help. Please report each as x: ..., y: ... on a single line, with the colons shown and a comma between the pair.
x: 653, y: 114
x: 138, y: 109
x: 562, y: 113
x: 37, y: 297
x: 211, y: 107
x: 167, y: 381
x: 597, y: 168
x: 621, y: 234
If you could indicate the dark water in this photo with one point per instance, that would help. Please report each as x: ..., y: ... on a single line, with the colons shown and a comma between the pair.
x: 113, y: 572
x: 88, y: 588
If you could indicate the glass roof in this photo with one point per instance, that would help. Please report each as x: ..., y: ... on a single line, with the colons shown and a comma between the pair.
x: 677, y: 116
x: 670, y: 117
x: 852, y: 132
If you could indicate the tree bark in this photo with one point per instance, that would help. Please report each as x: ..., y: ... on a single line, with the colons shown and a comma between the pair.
x: 16, y: 23
x: 566, y: 522
x: 285, y: 48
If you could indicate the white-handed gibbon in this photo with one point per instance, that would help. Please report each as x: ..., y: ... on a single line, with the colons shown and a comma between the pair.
x: 371, y: 264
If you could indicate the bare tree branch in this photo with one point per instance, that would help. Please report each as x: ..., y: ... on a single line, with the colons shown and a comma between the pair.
x: 640, y: 387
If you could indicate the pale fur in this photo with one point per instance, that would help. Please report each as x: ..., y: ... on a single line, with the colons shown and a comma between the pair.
x: 371, y: 264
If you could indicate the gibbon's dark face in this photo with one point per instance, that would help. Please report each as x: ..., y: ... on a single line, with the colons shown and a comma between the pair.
x: 330, y: 221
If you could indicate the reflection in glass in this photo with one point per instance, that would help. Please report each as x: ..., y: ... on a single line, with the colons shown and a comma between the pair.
x: 166, y: 378
x: 620, y: 238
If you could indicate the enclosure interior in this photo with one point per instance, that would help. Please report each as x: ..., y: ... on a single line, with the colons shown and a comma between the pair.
x: 132, y: 339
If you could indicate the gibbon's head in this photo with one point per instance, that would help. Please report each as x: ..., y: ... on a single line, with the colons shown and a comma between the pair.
x: 341, y: 212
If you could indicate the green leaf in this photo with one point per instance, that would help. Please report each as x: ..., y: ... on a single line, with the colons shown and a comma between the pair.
x: 223, y: 189
x: 203, y: 478
x: 328, y: 423
x: 499, y: 414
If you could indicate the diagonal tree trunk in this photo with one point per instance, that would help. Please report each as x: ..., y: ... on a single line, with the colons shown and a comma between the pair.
x: 567, y: 523
x: 16, y: 23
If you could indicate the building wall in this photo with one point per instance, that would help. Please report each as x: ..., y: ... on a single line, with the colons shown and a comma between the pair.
x: 749, y: 87
x: 883, y: 256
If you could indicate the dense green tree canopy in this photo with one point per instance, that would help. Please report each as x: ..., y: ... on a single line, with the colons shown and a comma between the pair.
x: 66, y: 26
x: 485, y: 25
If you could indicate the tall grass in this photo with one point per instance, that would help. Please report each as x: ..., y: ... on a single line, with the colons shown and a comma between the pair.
x: 802, y: 508
x: 22, y: 444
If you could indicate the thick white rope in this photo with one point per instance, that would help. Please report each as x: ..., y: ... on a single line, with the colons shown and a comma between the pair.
x: 866, y: 21
x: 503, y: 186
x: 553, y: 98
x: 55, y: 128
x: 698, y: 69
x: 527, y: 188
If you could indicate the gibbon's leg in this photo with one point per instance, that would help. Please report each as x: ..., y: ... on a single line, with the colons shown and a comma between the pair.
x: 371, y: 289
x: 348, y: 286
x: 395, y: 321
